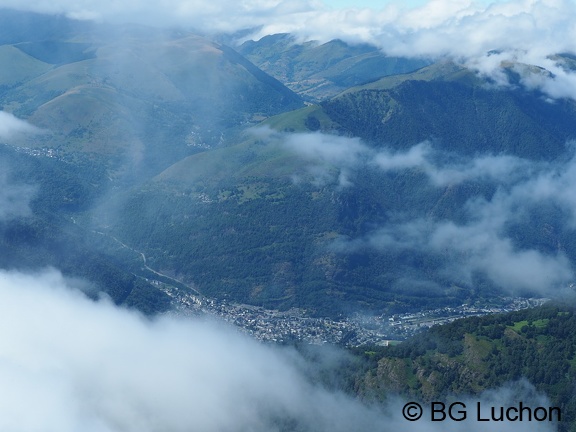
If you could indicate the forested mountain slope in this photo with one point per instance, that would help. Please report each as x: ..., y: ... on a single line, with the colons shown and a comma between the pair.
x: 318, y: 71
x: 428, y: 208
x: 133, y: 98
x: 91, y: 108
x: 472, y: 355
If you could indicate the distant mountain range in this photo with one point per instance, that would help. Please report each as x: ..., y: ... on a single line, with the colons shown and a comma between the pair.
x: 122, y: 93
x: 363, y: 200
x: 318, y: 71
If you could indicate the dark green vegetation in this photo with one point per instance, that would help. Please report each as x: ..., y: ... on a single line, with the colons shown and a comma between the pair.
x: 266, y: 241
x: 147, y: 133
x: 262, y: 223
x: 114, y: 106
x: 462, y: 118
x: 45, y: 237
x: 471, y: 355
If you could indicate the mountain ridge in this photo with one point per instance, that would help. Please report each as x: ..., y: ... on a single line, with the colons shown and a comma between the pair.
x: 277, y: 179
x: 319, y: 71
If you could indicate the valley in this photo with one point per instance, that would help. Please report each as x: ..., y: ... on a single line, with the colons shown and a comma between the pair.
x: 294, y: 326
x: 288, y: 217
x: 344, y: 202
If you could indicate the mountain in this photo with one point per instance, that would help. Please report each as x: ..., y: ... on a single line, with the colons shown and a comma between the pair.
x: 472, y: 355
x: 515, y: 122
x: 120, y: 94
x: 410, y: 191
x: 447, y: 103
x: 106, y: 106
x: 39, y: 194
x: 304, y: 214
x: 318, y: 71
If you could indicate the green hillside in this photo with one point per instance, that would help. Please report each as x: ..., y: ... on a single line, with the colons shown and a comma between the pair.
x: 472, y: 355
x: 28, y: 67
x: 46, y: 237
x: 114, y: 105
x: 319, y: 71
x: 449, y: 105
x: 462, y: 118
x: 141, y: 100
x: 262, y: 222
x: 235, y: 223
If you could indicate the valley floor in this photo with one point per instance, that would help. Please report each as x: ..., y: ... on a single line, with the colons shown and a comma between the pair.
x: 296, y: 325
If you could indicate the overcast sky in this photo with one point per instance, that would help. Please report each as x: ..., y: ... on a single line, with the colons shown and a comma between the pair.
x: 374, y: 4
x: 465, y: 28
x: 378, y: 4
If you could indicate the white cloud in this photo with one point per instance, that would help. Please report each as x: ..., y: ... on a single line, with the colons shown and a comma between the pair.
x: 417, y: 156
x: 336, y: 150
x: 11, y: 126
x: 69, y: 364
x: 422, y: 156
x: 482, y: 247
x: 463, y: 27
x: 520, y: 31
x: 526, y: 31
x: 481, y: 243
x: 218, y: 15
x: 479, y: 247
x: 330, y: 157
x: 327, y: 158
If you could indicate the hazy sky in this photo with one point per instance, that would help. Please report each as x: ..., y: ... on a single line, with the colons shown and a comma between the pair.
x: 401, y: 27
x: 379, y: 4
x: 467, y: 31
x: 376, y: 4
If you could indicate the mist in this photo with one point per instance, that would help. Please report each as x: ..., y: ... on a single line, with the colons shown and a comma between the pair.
x: 12, y: 127
x: 15, y: 198
x: 485, y: 36
x: 69, y: 364
x: 328, y: 152
x: 477, y: 242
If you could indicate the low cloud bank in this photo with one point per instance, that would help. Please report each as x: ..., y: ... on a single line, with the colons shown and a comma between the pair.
x: 483, y: 35
x: 330, y: 156
x: 13, y: 127
x: 478, y: 244
x: 70, y: 364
